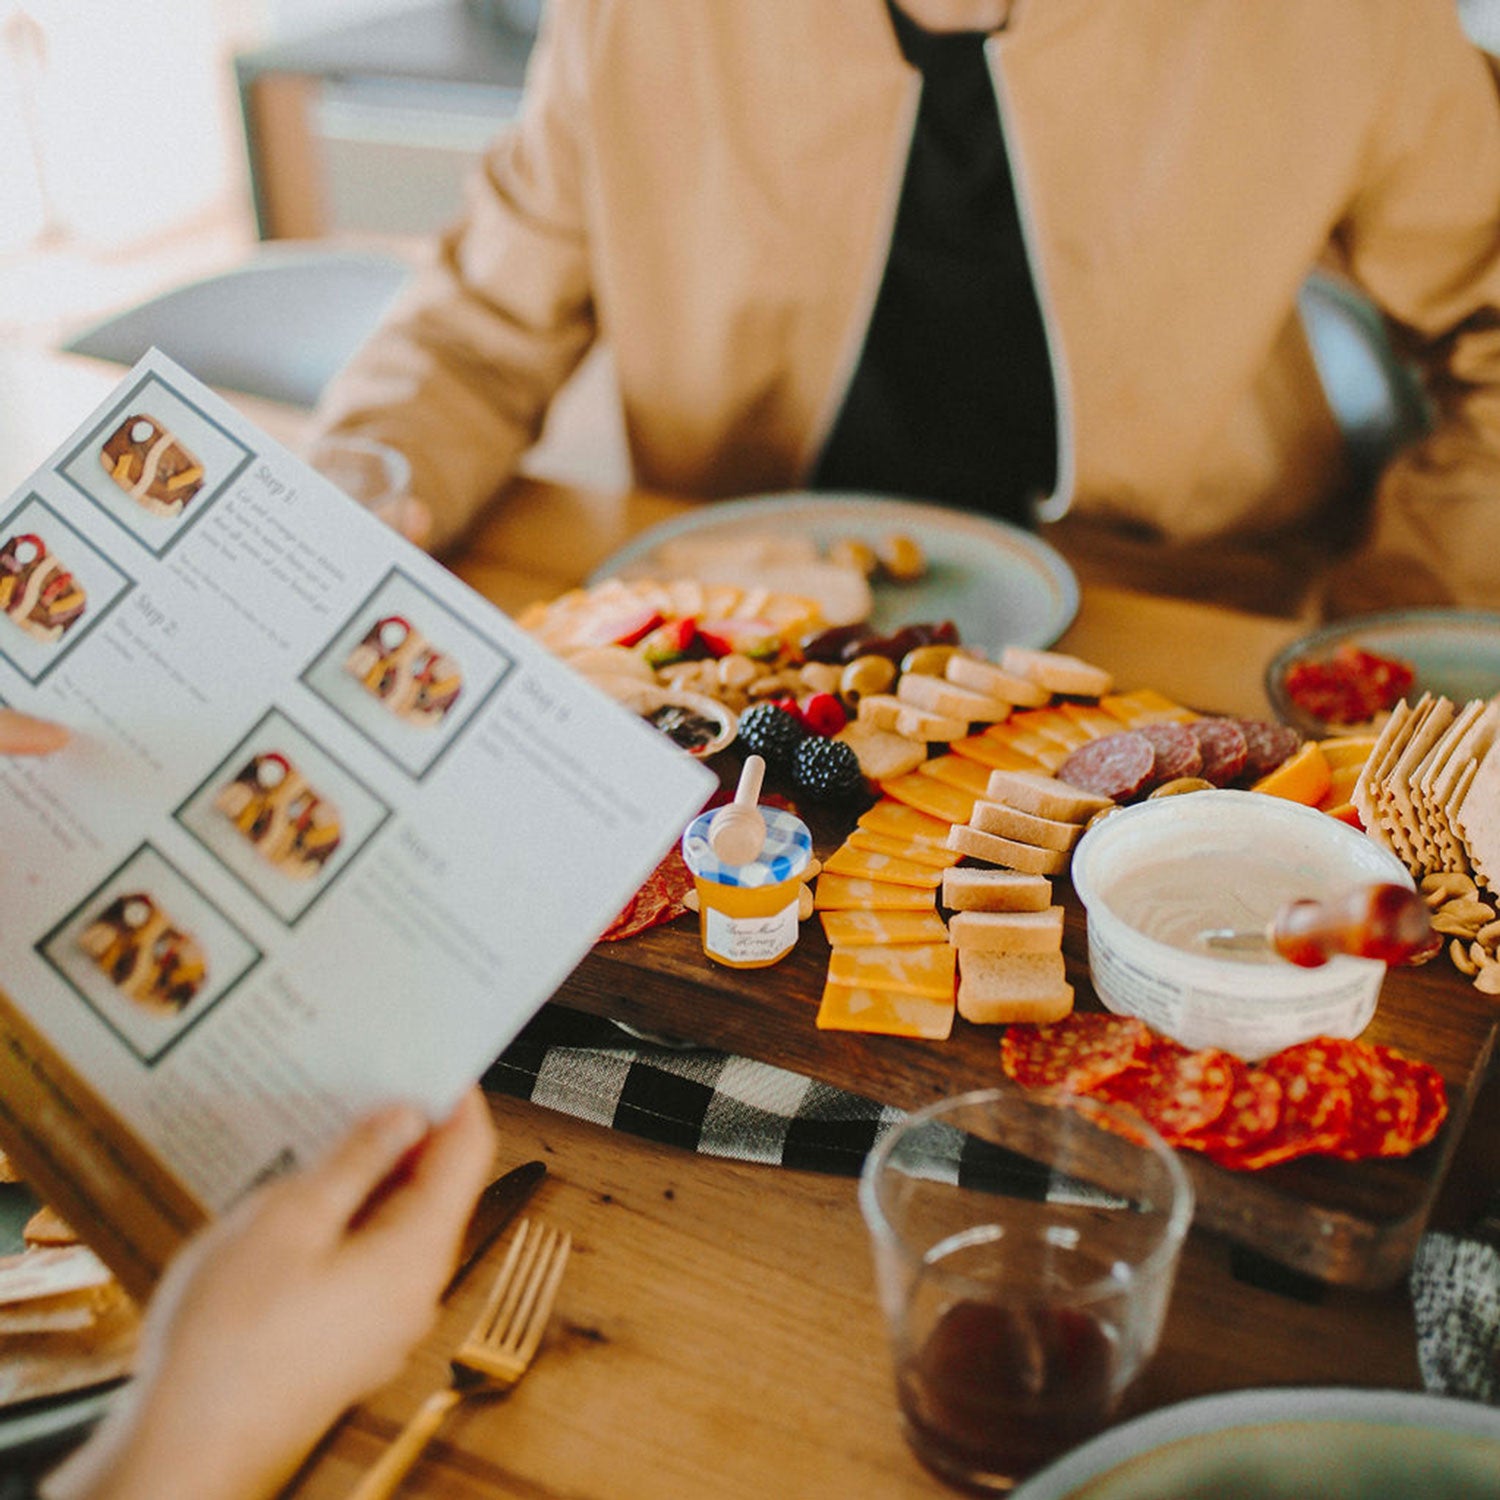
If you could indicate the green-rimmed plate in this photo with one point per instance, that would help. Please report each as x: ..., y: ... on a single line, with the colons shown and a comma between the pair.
x: 1333, y: 1443
x: 1454, y: 653
x: 1000, y: 585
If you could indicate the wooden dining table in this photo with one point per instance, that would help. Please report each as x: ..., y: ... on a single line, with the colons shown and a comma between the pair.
x: 717, y: 1332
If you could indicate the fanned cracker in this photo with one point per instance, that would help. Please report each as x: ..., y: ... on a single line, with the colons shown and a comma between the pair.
x: 1466, y: 743
x: 1426, y: 814
x: 1396, y: 784
x: 1478, y: 820
x: 1366, y: 789
x: 1387, y: 815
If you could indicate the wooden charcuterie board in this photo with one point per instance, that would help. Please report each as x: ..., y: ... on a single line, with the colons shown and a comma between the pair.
x: 1348, y: 1223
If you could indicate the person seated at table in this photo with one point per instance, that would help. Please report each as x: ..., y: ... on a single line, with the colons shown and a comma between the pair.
x: 282, y: 1314
x: 1034, y: 258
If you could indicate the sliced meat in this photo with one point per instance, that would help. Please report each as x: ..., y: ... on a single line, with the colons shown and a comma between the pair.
x: 1177, y: 752
x: 1222, y: 744
x: 1117, y: 766
x: 1267, y: 745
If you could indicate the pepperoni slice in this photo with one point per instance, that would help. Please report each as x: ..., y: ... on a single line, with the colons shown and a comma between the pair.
x: 1431, y: 1090
x: 1177, y: 752
x: 1077, y: 1053
x: 1315, y: 1110
x: 1252, y: 1112
x: 1118, y: 766
x: 1174, y: 1090
x: 1224, y: 748
x: 1384, y: 1104
x: 1267, y: 745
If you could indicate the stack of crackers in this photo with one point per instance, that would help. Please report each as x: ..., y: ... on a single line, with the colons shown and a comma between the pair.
x: 1430, y: 792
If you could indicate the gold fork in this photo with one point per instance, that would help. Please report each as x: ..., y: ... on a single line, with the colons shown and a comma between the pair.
x: 495, y: 1354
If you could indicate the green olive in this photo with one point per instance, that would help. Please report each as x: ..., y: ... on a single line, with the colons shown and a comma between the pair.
x: 1180, y: 784
x: 865, y: 675
x: 927, y: 661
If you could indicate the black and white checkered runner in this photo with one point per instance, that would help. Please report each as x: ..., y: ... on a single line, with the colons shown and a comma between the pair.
x: 704, y: 1101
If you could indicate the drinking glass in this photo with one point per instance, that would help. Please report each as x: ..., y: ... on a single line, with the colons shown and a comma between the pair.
x: 1025, y: 1245
x: 376, y: 475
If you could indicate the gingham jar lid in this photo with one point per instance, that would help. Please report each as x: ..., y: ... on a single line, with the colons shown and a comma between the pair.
x: 787, y: 850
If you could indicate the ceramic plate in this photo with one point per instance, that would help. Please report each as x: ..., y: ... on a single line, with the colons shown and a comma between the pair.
x: 1455, y: 653
x: 999, y: 584
x: 35, y: 1430
x: 1287, y: 1445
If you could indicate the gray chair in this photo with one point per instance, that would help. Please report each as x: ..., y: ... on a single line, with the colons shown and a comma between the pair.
x: 280, y: 325
x: 1376, y: 397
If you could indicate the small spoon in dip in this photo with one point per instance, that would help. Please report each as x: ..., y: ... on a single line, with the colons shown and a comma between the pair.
x: 1388, y: 922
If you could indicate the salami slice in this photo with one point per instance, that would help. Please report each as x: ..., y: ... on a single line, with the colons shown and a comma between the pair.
x: 660, y: 899
x: 1267, y: 745
x: 1253, y: 1109
x: 1174, y: 1090
x: 1117, y: 766
x: 1223, y: 746
x: 1315, y: 1111
x: 1077, y: 1053
x: 1177, y: 752
x: 1384, y: 1104
x: 1432, y: 1095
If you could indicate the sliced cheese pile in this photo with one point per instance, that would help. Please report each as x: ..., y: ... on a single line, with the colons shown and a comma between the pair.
x: 896, y: 966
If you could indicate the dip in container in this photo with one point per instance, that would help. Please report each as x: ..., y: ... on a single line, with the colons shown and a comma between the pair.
x: 1157, y: 876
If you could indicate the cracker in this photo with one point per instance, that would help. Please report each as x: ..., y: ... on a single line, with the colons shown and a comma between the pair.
x: 1366, y: 789
x: 1393, y: 811
x: 1478, y: 820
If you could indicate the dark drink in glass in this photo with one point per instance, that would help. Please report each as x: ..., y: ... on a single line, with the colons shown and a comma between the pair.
x: 995, y: 1392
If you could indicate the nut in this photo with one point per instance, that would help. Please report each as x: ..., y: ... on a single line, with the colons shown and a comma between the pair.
x: 901, y: 557
x: 821, y: 676
x: 1487, y: 980
x: 1463, y: 956
x: 853, y: 552
x: 1445, y: 885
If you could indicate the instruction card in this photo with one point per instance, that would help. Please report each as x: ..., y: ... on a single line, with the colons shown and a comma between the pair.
x: 329, y: 829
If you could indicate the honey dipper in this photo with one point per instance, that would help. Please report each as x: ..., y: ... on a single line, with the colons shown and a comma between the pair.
x: 737, y: 833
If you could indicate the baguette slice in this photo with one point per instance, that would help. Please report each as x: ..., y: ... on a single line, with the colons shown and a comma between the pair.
x: 1010, y: 853
x: 973, y: 889
x: 996, y: 988
x: 1056, y: 670
x: 1007, y: 931
x: 939, y: 696
x: 985, y: 677
x: 1044, y: 796
x: 1024, y: 827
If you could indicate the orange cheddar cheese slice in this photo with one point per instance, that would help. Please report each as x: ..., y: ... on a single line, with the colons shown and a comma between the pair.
x: 907, y: 968
x: 1041, y: 750
x: 958, y: 770
x: 1052, y: 724
x: 1092, y: 720
x: 925, y: 793
x: 992, y: 747
x: 856, y: 929
x: 851, y: 893
x: 900, y: 821
x: 885, y: 1013
x: 1144, y: 706
x: 866, y: 864
x: 922, y: 854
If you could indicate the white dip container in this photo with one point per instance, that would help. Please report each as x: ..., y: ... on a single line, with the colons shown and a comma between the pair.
x: 1155, y: 877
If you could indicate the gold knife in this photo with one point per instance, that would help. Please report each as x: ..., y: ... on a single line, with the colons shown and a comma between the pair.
x: 498, y: 1204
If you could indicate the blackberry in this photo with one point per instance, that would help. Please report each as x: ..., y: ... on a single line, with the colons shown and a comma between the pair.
x: 772, y: 733
x: 828, y: 769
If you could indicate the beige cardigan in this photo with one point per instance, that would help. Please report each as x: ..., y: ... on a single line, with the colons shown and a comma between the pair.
x: 710, y: 186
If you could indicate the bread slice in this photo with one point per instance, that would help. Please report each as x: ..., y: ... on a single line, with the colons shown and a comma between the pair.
x: 985, y: 677
x: 939, y: 696
x: 921, y: 726
x: 1044, y: 796
x: 1046, y: 833
x: 1057, y: 671
x: 996, y: 988
x: 971, y: 889
x: 1007, y: 931
x: 1011, y: 853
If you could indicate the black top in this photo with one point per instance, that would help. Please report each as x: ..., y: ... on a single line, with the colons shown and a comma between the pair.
x: 952, y: 398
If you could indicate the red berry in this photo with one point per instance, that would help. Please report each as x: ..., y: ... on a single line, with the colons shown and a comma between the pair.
x: 823, y: 714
